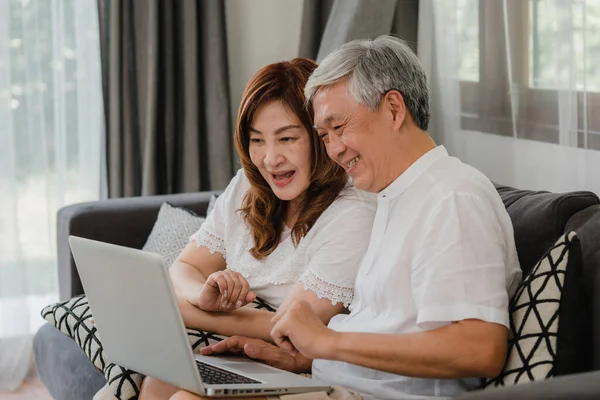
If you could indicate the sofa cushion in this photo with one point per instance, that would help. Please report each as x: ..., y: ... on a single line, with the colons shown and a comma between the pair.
x: 574, y: 334
x: 586, y: 224
x: 539, y: 218
x: 535, y: 317
x: 171, y: 231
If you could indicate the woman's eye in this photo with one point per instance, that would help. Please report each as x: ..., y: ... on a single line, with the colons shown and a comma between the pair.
x: 287, y: 139
x: 255, y: 140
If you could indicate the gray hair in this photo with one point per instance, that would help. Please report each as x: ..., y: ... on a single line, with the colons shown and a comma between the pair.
x: 373, y: 68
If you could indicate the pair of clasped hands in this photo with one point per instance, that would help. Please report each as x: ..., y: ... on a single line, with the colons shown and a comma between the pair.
x: 295, y: 327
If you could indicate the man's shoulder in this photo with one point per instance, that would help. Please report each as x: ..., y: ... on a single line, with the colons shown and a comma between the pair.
x: 453, y: 177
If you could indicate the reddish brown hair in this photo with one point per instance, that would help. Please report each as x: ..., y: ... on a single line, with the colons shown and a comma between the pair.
x: 264, y: 212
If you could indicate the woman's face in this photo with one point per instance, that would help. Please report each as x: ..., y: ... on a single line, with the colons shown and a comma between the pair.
x: 280, y: 149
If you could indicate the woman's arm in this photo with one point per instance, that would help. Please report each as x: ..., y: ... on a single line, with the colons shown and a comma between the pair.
x: 251, y: 322
x: 191, y: 269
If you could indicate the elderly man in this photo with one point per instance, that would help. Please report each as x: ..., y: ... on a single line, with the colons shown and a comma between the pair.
x: 430, y: 311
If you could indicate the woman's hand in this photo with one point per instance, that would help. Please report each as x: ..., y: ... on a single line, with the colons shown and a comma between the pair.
x: 224, y: 291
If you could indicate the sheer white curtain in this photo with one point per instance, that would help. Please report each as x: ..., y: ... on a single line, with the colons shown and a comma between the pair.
x: 51, y: 152
x: 516, y: 88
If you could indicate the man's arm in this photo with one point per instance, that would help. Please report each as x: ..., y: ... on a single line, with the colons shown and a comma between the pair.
x: 469, y: 348
x: 464, y: 349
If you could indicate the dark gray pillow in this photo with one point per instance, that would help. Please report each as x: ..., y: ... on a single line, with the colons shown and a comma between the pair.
x: 172, y: 231
x: 539, y: 218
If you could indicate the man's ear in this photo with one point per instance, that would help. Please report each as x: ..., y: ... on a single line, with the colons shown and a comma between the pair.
x: 395, y: 105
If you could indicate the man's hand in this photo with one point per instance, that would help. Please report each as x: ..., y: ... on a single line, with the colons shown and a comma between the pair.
x: 298, y: 328
x: 262, y: 351
x: 224, y: 291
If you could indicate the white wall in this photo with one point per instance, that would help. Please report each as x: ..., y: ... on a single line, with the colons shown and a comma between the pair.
x: 529, y: 164
x: 259, y: 32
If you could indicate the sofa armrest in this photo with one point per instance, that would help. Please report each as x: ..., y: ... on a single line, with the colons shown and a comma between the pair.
x: 567, y: 387
x: 125, y: 221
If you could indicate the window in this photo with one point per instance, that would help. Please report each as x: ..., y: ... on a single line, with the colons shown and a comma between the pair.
x: 564, y: 34
x: 51, y: 135
x: 531, y: 69
x: 468, y: 38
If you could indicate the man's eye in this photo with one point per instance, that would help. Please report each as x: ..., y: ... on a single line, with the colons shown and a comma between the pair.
x: 338, y: 127
x: 322, y: 136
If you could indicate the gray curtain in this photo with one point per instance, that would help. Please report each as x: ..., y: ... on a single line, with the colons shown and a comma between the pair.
x: 327, y: 25
x: 165, y: 85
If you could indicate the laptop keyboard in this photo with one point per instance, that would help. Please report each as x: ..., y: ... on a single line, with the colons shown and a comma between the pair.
x: 217, y: 376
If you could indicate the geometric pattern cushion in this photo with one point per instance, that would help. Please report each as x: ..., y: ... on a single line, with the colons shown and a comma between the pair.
x: 172, y: 231
x: 73, y: 318
x: 534, y: 319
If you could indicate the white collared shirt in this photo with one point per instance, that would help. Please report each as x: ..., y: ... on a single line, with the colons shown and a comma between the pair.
x: 442, y: 249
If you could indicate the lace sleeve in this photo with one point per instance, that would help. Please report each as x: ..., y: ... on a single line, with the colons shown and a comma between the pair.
x: 325, y: 290
x: 206, y: 239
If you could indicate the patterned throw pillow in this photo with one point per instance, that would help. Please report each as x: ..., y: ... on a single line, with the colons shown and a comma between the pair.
x: 534, y: 319
x: 73, y: 318
x: 172, y: 231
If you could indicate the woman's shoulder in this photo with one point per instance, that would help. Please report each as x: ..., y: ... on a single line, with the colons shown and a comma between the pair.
x: 237, y: 188
x: 352, y: 198
x: 230, y: 201
x: 240, y: 180
x: 351, y: 203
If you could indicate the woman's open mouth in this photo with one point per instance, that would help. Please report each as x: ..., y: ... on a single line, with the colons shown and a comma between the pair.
x: 283, y: 178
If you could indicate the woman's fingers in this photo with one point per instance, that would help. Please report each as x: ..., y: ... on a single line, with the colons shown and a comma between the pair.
x: 236, y: 291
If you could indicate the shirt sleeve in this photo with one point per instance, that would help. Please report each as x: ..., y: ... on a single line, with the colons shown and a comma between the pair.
x: 336, y: 251
x: 212, y: 233
x: 459, y: 273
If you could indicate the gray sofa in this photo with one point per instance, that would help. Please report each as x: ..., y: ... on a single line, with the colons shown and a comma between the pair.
x: 539, y: 218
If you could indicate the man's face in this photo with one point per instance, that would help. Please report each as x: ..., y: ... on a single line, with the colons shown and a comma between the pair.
x: 357, y: 139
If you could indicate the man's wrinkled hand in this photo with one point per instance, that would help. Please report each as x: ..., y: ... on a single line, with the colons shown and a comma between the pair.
x: 298, y: 328
x: 224, y: 291
x: 261, y: 351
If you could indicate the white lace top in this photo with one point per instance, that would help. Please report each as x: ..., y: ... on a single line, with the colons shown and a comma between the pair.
x: 326, y: 260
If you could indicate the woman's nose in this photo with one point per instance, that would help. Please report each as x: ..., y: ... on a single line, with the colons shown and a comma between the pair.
x: 273, y: 158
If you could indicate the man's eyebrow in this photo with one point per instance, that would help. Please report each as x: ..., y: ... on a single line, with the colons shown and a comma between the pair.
x: 329, y: 119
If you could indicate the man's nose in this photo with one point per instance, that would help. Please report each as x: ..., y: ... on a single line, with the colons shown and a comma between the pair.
x: 335, y: 147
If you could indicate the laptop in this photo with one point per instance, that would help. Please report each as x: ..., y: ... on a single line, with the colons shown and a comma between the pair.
x: 141, y: 328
